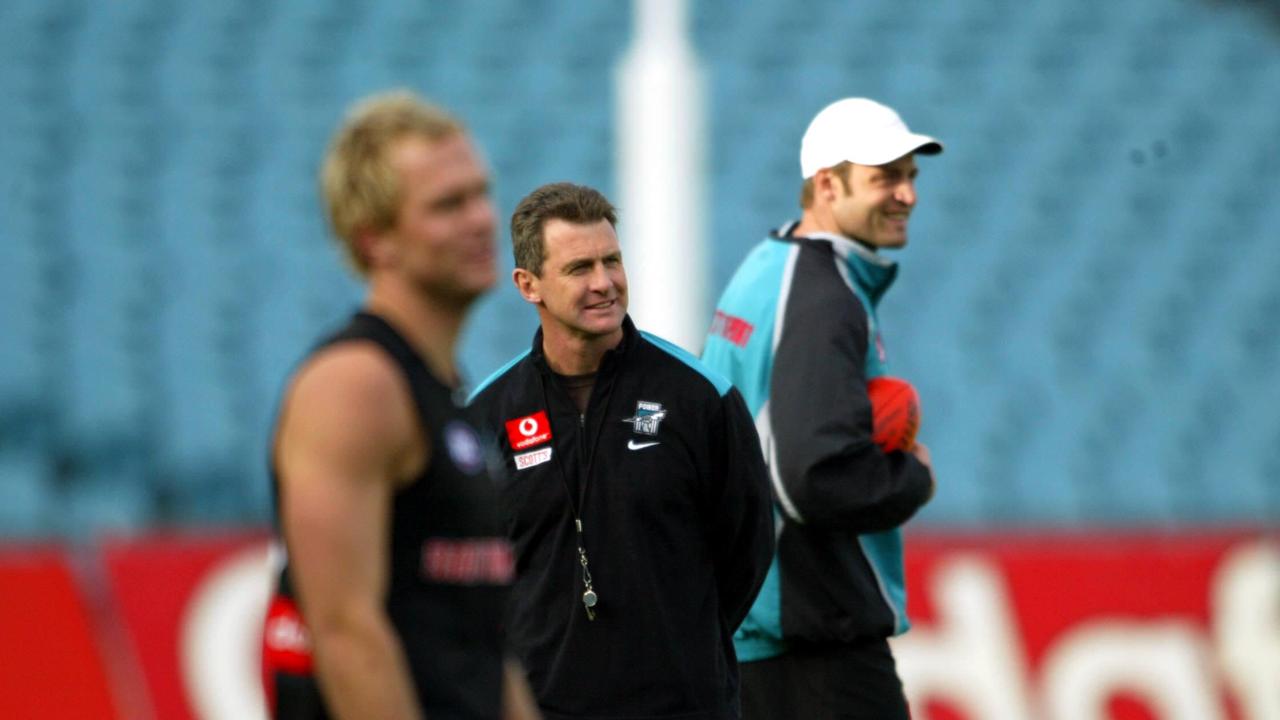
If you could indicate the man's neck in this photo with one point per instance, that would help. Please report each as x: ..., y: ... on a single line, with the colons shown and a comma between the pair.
x: 570, y: 354
x: 430, y: 326
x: 813, y: 221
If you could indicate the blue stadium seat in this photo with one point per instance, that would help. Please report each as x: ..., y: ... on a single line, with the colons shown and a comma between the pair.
x: 1088, y: 304
x: 28, y: 504
x: 107, y: 495
x: 22, y: 324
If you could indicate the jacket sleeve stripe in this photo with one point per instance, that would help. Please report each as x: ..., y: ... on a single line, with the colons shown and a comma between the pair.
x: 764, y: 423
x: 720, y: 382
x: 495, y: 375
x: 764, y: 428
x: 784, y: 293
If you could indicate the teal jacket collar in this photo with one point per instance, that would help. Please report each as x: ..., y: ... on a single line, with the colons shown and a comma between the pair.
x: 873, y: 272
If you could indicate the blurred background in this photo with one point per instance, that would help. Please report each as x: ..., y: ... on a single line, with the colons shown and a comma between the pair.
x: 1089, y: 305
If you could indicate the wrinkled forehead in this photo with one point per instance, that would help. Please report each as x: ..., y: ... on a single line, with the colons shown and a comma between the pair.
x: 565, y: 241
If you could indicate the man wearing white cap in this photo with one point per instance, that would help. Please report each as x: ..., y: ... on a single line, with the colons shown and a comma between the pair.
x: 796, y: 331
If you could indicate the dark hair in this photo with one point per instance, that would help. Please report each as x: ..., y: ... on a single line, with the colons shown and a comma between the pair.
x: 577, y: 204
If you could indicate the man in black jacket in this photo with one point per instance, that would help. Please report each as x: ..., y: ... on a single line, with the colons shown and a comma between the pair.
x: 637, y: 499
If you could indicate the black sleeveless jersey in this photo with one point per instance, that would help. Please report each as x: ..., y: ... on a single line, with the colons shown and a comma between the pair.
x: 450, y: 565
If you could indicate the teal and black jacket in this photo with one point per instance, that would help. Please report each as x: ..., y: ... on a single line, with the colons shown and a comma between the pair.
x: 796, y: 332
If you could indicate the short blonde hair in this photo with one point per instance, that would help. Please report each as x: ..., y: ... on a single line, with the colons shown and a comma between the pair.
x: 361, y: 189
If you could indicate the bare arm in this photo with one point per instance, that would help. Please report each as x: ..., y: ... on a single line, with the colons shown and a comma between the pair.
x: 517, y: 697
x: 347, y: 433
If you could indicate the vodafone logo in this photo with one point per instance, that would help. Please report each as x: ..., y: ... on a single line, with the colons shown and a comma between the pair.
x: 525, y: 432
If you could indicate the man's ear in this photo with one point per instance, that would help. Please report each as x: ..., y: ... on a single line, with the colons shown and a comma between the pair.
x: 528, y: 285
x: 376, y: 248
x: 824, y: 185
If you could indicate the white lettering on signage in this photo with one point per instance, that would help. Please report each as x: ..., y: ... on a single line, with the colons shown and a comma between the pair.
x: 1165, y: 663
x: 972, y: 655
x: 970, y: 658
x: 221, y: 637
x: 1246, y: 627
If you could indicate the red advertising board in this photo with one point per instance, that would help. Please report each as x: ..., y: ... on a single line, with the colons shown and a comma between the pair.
x: 1107, y: 626
x: 192, y: 606
x: 50, y: 662
x: 1078, y: 626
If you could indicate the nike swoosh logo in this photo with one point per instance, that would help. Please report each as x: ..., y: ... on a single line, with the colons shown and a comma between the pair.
x: 633, y: 445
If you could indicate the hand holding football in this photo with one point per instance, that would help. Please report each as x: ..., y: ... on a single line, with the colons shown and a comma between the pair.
x: 895, y: 413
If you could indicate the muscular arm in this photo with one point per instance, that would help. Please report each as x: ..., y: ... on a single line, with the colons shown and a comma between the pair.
x: 517, y: 696
x: 346, y: 434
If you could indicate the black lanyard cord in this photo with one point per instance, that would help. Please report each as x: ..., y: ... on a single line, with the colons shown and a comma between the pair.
x: 589, y: 596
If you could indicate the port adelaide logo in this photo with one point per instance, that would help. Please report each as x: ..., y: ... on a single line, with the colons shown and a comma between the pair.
x: 647, y: 418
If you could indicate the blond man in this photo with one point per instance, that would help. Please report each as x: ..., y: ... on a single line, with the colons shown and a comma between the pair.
x: 397, y: 570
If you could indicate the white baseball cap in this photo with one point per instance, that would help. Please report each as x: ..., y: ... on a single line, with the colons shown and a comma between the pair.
x: 861, y: 131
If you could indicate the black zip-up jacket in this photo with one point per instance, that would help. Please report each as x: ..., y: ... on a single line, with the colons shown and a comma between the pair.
x: 665, y: 473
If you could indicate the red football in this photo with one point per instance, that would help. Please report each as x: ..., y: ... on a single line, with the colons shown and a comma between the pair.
x: 895, y: 413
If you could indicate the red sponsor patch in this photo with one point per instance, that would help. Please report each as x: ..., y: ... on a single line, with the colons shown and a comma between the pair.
x: 529, y: 430
x: 732, y: 328
x: 286, y: 643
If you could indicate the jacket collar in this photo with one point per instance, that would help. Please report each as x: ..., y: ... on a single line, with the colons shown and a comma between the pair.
x: 612, y: 356
x: 872, y: 271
